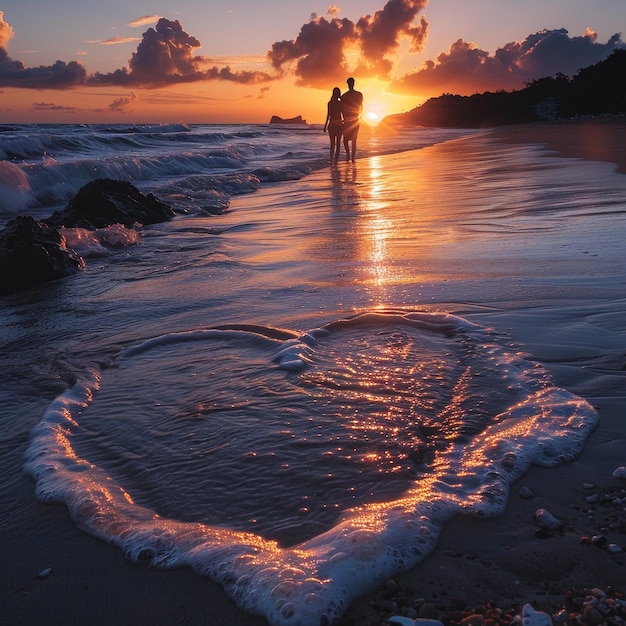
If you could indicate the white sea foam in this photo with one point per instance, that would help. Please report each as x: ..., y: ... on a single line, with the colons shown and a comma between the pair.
x: 503, y: 413
x: 100, y: 242
x: 189, y: 167
x: 15, y: 191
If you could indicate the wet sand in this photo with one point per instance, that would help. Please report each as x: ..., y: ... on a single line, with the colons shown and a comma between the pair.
x: 502, y: 561
x: 581, y: 340
x: 596, y: 139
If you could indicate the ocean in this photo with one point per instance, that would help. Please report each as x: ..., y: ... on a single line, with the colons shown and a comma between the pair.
x: 289, y: 387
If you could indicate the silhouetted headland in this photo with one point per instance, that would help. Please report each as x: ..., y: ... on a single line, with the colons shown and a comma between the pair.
x: 599, y: 89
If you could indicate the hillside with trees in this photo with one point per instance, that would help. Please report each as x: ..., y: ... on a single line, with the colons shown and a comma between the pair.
x: 595, y: 90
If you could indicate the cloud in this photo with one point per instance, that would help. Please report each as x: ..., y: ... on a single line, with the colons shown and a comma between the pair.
x: 245, y: 60
x: 319, y: 54
x: 466, y: 69
x: 6, y: 32
x: 144, y: 21
x: 164, y: 97
x: 318, y: 51
x: 326, y: 50
x: 49, y: 106
x: 15, y: 74
x: 58, y: 76
x: 165, y: 56
x: 112, y: 41
x: 121, y: 104
x: 379, y: 34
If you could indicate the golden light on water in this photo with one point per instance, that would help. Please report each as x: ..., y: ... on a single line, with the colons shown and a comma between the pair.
x: 378, y: 226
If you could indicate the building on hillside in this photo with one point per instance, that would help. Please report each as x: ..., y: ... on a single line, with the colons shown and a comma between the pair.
x: 547, y: 109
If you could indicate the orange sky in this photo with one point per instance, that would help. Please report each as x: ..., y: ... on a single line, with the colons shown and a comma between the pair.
x: 205, y: 103
x: 158, y: 69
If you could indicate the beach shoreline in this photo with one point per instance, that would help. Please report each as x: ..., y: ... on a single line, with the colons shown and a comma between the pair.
x: 476, y: 562
x: 592, y: 139
x: 509, y: 563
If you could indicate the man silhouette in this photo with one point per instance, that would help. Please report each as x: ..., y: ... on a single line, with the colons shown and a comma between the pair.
x: 351, y: 106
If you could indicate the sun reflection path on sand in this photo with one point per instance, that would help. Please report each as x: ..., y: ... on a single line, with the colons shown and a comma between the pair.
x: 391, y: 229
x: 377, y: 227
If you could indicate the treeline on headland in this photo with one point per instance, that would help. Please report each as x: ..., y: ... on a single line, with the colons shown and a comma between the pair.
x: 595, y: 90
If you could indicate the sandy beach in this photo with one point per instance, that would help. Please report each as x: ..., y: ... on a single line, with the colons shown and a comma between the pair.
x: 595, y: 139
x: 507, y: 564
x: 571, y: 321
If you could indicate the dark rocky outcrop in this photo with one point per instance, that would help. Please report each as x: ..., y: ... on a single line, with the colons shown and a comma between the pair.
x: 104, y: 202
x: 32, y: 253
x: 596, y: 90
x: 275, y: 119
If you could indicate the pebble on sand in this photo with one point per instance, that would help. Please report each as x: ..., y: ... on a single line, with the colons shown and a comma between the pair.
x: 526, y: 492
x: 620, y: 472
x: 530, y: 617
x: 546, y: 520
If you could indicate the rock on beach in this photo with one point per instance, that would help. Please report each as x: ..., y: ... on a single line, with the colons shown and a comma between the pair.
x: 35, y: 252
x: 103, y: 202
x: 530, y: 617
x: 32, y: 253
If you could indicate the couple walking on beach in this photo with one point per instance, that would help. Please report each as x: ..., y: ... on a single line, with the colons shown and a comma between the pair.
x: 342, y: 119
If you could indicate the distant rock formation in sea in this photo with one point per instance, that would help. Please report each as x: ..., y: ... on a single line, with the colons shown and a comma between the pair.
x: 288, y: 120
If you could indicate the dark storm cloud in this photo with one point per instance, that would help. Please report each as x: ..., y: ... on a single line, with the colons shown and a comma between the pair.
x: 466, y: 69
x: 319, y: 51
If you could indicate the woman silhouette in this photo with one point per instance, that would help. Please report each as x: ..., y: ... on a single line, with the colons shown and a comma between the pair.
x: 334, y: 123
